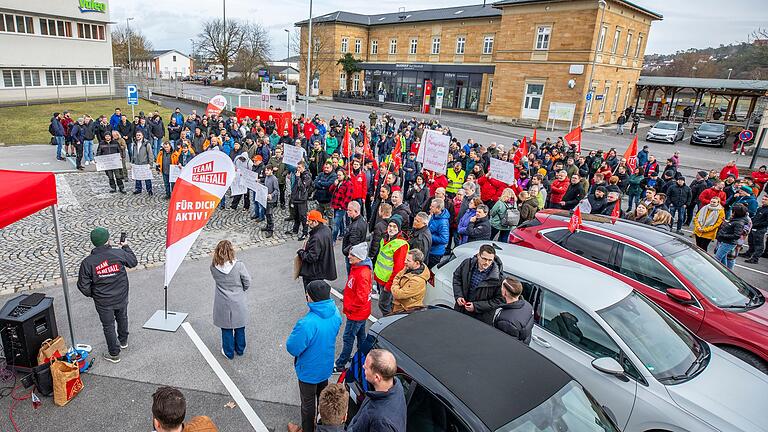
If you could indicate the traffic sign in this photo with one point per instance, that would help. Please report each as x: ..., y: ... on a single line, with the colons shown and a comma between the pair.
x: 589, y: 96
x: 746, y: 135
x: 132, y: 91
x: 439, y: 98
x: 599, y: 97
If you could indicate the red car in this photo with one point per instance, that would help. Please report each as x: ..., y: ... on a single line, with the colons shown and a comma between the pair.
x: 701, y: 293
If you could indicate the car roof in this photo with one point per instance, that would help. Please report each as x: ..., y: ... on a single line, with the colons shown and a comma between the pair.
x: 668, y: 121
x: 497, y: 378
x: 580, y: 284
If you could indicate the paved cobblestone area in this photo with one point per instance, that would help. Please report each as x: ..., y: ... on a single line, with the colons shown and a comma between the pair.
x: 28, y: 258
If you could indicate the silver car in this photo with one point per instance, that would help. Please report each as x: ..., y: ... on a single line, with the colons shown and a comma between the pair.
x: 666, y: 131
x: 647, y: 370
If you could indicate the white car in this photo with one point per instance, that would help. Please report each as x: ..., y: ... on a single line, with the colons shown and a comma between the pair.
x: 278, y: 85
x: 666, y: 131
x: 646, y: 369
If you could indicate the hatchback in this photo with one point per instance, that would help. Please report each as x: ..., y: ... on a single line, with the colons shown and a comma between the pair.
x: 666, y: 131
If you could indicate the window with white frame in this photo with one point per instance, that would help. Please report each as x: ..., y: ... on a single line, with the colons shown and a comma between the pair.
x: 356, y: 81
x: 604, y: 100
x: 90, y: 31
x: 358, y: 46
x: 616, y: 98
x: 344, y: 44
x: 54, y: 77
x: 542, y: 37
x: 616, y: 39
x: 393, y: 46
x: 639, y: 45
x: 414, y: 46
x: 461, y: 42
x: 488, y: 45
x: 95, y: 77
x: 342, y: 81
x: 601, y: 39
x: 12, y: 78
x: 593, y: 92
x: 435, y: 45
x: 374, y: 47
x: 16, y: 24
x: 629, y: 42
x: 31, y: 78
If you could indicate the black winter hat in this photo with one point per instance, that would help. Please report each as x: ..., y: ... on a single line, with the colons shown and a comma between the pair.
x: 319, y: 290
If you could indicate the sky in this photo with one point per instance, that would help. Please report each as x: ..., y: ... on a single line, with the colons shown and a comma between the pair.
x: 170, y: 24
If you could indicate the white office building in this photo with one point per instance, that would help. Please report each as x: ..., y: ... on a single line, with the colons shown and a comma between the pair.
x: 54, y: 50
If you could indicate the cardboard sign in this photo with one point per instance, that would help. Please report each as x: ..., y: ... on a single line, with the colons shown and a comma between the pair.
x: 292, y: 155
x: 109, y: 162
x: 141, y: 172
x: 502, y: 171
x: 433, y: 151
x: 174, y: 173
x: 260, y: 194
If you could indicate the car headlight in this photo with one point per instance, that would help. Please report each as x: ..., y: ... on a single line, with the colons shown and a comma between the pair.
x: 670, y: 137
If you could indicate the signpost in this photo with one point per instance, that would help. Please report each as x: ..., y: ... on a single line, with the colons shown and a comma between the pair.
x: 290, y: 98
x: 265, y: 91
x: 745, y: 136
x: 439, y: 99
x: 132, y: 93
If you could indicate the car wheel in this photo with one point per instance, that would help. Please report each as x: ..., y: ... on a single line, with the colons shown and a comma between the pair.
x: 748, y: 358
x: 690, y: 141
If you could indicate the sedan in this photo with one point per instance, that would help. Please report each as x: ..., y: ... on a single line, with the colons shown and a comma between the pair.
x: 666, y: 131
x: 643, y: 366
x: 710, y: 134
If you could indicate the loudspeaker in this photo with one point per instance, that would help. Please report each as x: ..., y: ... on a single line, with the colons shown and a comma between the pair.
x: 25, y: 322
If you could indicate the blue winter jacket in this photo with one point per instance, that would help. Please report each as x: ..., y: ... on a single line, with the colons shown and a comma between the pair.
x: 439, y: 226
x: 115, y: 120
x: 313, y: 341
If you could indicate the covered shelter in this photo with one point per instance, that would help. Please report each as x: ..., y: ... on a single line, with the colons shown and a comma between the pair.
x: 24, y: 193
x: 671, y: 88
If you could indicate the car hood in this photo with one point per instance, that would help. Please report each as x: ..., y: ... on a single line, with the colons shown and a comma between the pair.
x: 708, y: 133
x: 737, y: 406
x: 656, y: 131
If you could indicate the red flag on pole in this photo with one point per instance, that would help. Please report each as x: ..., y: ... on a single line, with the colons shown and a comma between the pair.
x: 575, y: 222
x: 368, y: 153
x: 533, y: 140
x: 616, y: 212
x: 521, y: 152
x: 631, y: 155
x: 345, y: 150
x: 574, y: 137
x: 396, y: 158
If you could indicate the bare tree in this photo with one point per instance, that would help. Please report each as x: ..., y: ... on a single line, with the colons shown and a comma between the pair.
x: 212, y: 42
x: 323, y: 56
x: 140, y: 45
x: 254, y: 51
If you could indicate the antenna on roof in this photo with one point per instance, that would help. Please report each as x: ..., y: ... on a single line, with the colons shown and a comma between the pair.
x: 401, y: 13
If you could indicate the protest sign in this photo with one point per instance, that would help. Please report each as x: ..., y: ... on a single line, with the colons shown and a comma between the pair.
x: 260, y: 194
x: 174, y: 173
x: 238, y: 185
x: 433, y: 151
x: 141, y: 172
x: 292, y: 155
x: 109, y: 162
x: 502, y: 171
x: 250, y: 179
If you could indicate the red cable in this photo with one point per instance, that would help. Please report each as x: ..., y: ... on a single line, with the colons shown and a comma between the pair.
x: 16, y: 400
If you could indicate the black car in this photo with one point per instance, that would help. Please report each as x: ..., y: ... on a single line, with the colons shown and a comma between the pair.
x: 461, y: 375
x: 710, y: 133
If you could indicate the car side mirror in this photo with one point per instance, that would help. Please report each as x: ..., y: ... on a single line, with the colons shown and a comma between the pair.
x: 680, y: 296
x: 608, y: 365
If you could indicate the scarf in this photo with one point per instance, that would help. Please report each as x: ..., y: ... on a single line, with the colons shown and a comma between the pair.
x: 708, y: 216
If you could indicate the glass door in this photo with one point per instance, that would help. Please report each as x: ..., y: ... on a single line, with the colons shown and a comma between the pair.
x: 532, y: 104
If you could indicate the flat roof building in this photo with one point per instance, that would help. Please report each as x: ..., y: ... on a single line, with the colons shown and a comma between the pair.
x: 516, y: 61
x: 54, y: 50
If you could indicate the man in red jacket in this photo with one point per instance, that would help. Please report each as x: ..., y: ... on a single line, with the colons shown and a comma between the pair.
x: 558, y: 189
x: 359, y: 182
x: 357, y: 302
x: 491, y: 189
x: 435, y: 181
x: 729, y: 169
x: 715, y: 191
x: 760, y: 177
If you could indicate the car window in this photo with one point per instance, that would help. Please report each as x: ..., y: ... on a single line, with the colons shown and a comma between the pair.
x: 595, y: 248
x: 640, y: 266
x: 668, y: 126
x: 709, y: 127
x: 427, y: 413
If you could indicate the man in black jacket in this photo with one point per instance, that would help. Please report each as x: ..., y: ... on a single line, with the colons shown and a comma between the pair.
x: 479, y: 227
x: 356, y: 231
x: 573, y: 194
x: 697, y: 187
x: 300, y: 183
x: 756, y: 238
x: 477, y: 285
x: 421, y: 236
x: 103, y: 277
x: 678, y: 197
x: 317, y: 258
x: 516, y: 316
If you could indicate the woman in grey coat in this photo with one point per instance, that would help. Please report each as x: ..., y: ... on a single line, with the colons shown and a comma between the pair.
x: 230, y: 308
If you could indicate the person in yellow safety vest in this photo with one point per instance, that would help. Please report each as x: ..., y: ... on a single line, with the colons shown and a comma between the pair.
x: 456, y: 178
x: 390, y: 260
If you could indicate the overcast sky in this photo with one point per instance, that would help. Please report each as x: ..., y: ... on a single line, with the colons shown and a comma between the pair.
x: 170, y: 24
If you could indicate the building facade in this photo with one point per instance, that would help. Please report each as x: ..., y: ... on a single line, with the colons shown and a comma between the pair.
x: 517, y: 61
x: 54, y: 50
x: 167, y: 64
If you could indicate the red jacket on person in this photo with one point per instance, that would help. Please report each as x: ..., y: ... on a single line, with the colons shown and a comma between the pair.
x: 729, y: 170
x: 359, y: 185
x: 398, y: 262
x: 490, y: 188
x: 707, y: 195
x: 309, y: 129
x: 357, y: 302
x: 557, y: 190
x: 760, y: 178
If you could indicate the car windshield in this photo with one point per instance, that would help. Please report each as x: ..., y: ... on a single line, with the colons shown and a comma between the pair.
x: 712, y: 279
x: 570, y: 409
x: 665, y: 347
x: 712, y: 127
x: 669, y: 126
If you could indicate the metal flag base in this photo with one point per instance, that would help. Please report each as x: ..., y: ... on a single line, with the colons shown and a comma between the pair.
x: 165, y: 320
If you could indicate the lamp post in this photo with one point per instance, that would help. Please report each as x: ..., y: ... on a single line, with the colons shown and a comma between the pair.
x: 602, y: 4
x: 288, y: 59
x: 729, y: 73
x: 309, y: 58
x: 128, y: 29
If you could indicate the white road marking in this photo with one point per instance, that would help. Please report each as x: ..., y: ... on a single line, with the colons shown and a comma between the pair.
x: 238, y: 397
x: 340, y: 296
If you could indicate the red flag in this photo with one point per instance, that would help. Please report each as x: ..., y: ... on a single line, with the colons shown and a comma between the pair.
x: 616, y: 212
x: 521, y: 152
x: 631, y: 155
x: 345, y: 150
x: 367, y: 152
x: 533, y: 140
x: 575, y: 222
x: 574, y: 137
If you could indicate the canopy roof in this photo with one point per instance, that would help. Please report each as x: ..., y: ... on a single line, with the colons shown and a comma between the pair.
x: 703, y: 83
x: 23, y: 193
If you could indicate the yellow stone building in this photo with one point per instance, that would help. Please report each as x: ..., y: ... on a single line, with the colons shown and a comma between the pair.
x: 514, y: 61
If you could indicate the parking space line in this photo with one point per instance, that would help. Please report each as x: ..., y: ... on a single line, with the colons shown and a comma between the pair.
x: 340, y: 296
x: 238, y: 397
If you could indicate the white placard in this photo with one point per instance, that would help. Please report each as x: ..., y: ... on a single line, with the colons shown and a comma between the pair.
x: 109, y: 162
x: 141, y: 172
x: 561, y: 111
x: 260, y: 194
x: 174, y: 173
x: 292, y: 154
x: 503, y: 171
x: 250, y: 180
x: 433, y: 151
x: 238, y: 185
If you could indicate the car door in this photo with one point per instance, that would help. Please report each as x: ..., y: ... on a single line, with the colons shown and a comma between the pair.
x: 428, y: 413
x: 572, y: 339
x: 640, y: 266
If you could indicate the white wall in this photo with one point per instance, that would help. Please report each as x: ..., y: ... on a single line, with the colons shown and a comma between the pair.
x: 170, y: 68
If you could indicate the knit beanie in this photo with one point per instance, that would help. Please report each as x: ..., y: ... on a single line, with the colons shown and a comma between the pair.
x: 99, y: 236
x: 319, y: 290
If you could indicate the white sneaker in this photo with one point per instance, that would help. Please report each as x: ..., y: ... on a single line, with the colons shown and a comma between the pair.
x: 86, y: 163
x: 733, y: 152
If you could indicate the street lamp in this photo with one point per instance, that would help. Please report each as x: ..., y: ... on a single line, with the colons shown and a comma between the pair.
x: 729, y: 73
x: 128, y: 27
x: 309, y: 58
x: 287, y: 59
x: 602, y: 4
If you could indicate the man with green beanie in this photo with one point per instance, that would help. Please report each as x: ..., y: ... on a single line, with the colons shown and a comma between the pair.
x: 103, y: 277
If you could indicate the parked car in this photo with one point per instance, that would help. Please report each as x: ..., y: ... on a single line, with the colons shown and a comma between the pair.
x: 709, y: 299
x: 666, y: 131
x: 461, y: 375
x: 710, y: 133
x: 278, y: 84
x: 643, y: 366
x: 283, y: 95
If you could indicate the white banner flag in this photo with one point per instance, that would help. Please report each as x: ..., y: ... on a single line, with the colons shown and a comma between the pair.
x: 503, y: 171
x: 109, y: 162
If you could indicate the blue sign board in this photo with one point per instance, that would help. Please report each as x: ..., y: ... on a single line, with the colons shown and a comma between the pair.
x: 599, y: 97
x: 132, y: 91
x: 746, y: 135
x: 589, y: 96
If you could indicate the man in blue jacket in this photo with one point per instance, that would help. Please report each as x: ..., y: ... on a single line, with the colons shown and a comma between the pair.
x: 439, y: 226
x: 383, y: 409
x: 115, y: 119
x: 312, y: 342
